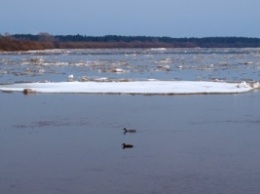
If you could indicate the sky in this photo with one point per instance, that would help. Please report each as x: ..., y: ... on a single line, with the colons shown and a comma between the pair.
x: 173, y: 18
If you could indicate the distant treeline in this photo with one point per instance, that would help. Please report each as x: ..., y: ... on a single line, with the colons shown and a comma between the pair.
x: 46, y: 41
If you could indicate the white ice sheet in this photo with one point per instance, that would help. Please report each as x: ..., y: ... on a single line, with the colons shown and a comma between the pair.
x: 134, y: 87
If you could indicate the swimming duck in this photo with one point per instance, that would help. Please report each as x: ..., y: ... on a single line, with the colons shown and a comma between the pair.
x: 129, y: 130
x: 127, y: 145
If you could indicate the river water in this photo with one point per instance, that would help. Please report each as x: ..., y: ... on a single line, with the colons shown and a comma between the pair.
x: 137, y: 64
x: 62, y: 144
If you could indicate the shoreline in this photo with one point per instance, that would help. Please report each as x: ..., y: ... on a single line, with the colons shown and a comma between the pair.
x: 25, y: 42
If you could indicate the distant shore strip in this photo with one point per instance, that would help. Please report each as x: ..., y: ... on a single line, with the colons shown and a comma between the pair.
x: 41, y: 41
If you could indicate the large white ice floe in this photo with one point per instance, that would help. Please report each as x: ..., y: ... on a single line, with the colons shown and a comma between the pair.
x: 133, y: 87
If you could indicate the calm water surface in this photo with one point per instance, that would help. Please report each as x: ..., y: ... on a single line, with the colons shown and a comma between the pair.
x: 63, y: 144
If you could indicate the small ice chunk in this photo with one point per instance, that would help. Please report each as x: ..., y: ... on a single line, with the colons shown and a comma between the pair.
x: 117, y: 70
x: 70, y: 77
x: 243, y: 85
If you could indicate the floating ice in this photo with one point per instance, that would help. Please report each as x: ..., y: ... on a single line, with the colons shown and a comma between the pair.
x: 70, y: 77
x: 133, y: 87
x: 117, y: 70
x: 158, y: 49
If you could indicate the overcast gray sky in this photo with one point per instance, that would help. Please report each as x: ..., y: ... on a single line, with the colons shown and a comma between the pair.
x: 174, y: 18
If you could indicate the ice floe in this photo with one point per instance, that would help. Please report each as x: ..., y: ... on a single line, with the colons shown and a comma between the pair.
x: 133, y: 87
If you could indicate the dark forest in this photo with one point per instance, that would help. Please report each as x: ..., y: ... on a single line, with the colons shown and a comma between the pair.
x: 23, y: 42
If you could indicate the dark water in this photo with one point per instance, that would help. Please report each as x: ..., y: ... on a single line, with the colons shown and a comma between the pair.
x: 63, y: 144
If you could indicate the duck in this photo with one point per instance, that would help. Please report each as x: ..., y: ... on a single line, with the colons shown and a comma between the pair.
x: 129, y: 130
x: 127, y: 146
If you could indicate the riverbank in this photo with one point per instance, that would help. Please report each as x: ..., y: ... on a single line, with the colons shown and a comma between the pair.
x: 25, y: 42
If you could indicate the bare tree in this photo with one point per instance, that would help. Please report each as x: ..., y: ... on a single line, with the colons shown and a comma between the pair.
x: 45, y: 37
